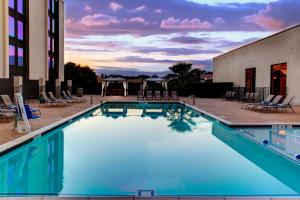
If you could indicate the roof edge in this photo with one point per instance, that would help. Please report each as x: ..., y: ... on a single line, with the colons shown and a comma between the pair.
x: 262, y: 39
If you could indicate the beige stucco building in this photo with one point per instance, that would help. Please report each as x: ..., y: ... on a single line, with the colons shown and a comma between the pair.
x: 32, y: 39
x: 271, y: 63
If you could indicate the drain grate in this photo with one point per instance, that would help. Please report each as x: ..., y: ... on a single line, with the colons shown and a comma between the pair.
x: 146, y: 193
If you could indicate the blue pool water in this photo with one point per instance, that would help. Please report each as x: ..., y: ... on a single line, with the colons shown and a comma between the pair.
x: 119, y: 149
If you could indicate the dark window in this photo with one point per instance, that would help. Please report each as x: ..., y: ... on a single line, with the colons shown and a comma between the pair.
x: 17, y: 22
x: 278, y: 79
x: 53, y: 39
x: 250, y: 79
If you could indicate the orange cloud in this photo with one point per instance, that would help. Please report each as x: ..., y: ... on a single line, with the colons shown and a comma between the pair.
x: 261, y: 19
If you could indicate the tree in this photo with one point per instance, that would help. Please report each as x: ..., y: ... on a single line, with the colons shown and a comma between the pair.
x: 82, y: 76
x: 182, y: 78
x: 181, y: 69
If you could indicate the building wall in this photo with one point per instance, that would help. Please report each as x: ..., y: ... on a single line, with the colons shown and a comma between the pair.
x: 38, y: 39
x: 4, y: 39
x: 279, y: 48
x: 61, y: 40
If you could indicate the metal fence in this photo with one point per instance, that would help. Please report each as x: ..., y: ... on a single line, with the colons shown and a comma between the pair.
x: 7, y: 87
x: 31, y: 89
x: 263, y: 92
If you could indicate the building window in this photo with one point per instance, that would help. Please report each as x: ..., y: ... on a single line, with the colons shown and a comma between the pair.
x: 250, y: 79
x: 278, y: 79
x: 17, y: 22
x: 53, y: 39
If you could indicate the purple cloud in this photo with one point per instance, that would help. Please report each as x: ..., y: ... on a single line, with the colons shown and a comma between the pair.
x: 189, y: 40
x: 204, y: 64
x: 170, y: 27
x: 115, y: 6
x: 99, y: 20
x: 177, y: 51
x: 174, y: 23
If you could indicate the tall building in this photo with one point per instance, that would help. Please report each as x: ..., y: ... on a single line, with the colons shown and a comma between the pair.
x: 32, y: 39
x: 271, y: 64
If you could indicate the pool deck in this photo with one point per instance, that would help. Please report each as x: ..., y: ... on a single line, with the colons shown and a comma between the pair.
x: 229, y: 111
x: 152, y: 198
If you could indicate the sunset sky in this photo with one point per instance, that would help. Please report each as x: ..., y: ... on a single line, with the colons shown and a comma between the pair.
x: 151, y: 35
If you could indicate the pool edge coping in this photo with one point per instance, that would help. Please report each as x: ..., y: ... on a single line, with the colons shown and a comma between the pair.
x: 6, y: 147
x: 237, y: 125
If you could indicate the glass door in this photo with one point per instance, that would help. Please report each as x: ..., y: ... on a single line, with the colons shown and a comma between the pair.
x: 250, y: 79
x: 278, y: 79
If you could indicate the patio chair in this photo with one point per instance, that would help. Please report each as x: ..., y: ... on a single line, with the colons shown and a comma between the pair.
x: 10, y: 106
x: 149, y: 95
x: 82, y: 99
x: 45, y: 100
x: 157, y: 95
x: 140, y: 95
x: 166, y: 96
x: 284, y: 106
x: 52, y: 97
x: 230, y: 95
x: 265, y: 102
x: 6, y: 115
x: 246, y: 98
x: 274, y: 102
x: 66, y: 97
x: 174, y: 95
x: 255, y: 98
x: 7, y: 102
x: 226, y: 95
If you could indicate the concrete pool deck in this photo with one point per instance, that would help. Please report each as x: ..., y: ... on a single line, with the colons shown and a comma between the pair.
x: 231, y: 111
x: 227, y: 110
x: 152, y: 198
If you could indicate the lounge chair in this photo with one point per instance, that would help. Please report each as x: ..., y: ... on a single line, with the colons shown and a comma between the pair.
x: 66, y: 97
x: 265, y: 102
x: 230, y: 95
x: 225, y: 95
x: 82, y: 99
x: 7, y: 102
x: 166, y: 96
x: 246, y: 98
x: 157, y: 95
x: 284, y: 106
x: 174, y: 96
x: 140, y: 95
x: 45, y: 100
x: 6, y: 115
x: 255, y: 98
x: 149, y: 95
x: 52, y: 97
x: 10, y: 106
x: 274, y: 102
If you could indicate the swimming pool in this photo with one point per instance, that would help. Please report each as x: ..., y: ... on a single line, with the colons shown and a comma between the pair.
x: 167, y: 149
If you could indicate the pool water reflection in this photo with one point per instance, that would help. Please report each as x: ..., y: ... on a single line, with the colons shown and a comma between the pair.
x: 121, y: 148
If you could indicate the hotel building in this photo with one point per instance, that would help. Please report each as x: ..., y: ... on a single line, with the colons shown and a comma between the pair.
x: 272, y: 63
x: 32, y: 40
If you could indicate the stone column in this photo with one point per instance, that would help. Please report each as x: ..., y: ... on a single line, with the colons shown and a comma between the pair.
x: 57, y: 88
x: 42, y: 86
x: 18, y: 84
x: 69, y: 85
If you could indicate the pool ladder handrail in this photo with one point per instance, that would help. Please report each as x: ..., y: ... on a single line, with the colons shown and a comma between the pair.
x: 193, y: 97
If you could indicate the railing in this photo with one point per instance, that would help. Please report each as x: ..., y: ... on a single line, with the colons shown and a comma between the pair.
x: 193, y: 97
x: 7, y: 87
x: 263, y: 92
